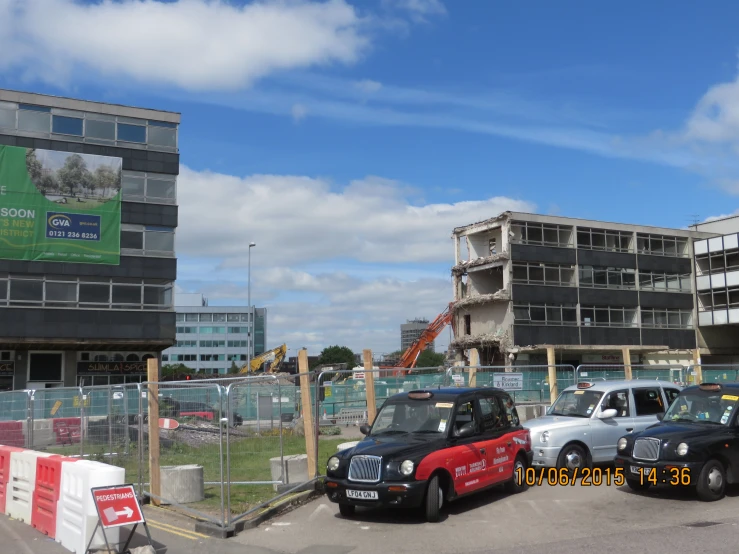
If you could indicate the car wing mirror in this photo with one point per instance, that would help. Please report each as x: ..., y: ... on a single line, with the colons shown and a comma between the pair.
x: 607, y: 414
x: 467, y: 430
x: 365, y: 429
x: 660, y: 417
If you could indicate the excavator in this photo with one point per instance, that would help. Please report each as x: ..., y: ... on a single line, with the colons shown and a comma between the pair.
x: 275, y: 356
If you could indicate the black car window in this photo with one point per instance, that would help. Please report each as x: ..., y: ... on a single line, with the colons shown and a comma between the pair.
x: 465, y: 413
x: 617, y: 400
x: 510, y: 410
x: 648, y: 401
x: 671, y: 395
x: 491, y: 413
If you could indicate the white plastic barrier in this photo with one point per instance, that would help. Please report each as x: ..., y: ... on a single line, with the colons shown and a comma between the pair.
x: 22, y: 484
x: 76, y: 515
x: 43, y: 433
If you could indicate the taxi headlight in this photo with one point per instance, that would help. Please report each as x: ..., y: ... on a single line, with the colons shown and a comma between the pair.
x: 682, y: 449
x: 333, y: 463
x: 622, y: 443
x: 406, y: 468
x: 544, y: 437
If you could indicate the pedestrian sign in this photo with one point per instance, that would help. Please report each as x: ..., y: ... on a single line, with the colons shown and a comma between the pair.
x: 117, y: 506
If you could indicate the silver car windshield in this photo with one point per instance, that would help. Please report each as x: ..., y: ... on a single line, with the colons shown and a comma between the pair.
x: 702, y: 407
x: 576, y: 403
x: 413, y: 416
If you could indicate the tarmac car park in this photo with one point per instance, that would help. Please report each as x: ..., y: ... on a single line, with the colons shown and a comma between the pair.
x: 428, y: 447
x: 584, y: 424
x: 695, y: 444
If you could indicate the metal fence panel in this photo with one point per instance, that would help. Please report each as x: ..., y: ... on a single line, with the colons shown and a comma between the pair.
x: 534, y: 382
x: 719, y: 373
x: 674, y: 373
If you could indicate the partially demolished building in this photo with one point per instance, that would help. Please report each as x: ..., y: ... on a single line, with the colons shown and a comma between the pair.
x: 592, y: 291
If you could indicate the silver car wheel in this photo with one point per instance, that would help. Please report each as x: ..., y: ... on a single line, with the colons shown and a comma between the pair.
x: 715, y: 480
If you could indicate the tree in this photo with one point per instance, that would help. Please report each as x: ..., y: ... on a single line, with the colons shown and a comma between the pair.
x: 74, y: 174
x: 106, y: 179
x: 35, y: 169
x: 176, y: 371
x: 234, y: 369
x: 429, y: 358
x: 337, y: 355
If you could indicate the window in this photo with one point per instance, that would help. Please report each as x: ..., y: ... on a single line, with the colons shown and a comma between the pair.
x: 180, y: 317
x: 186, y: 344
x: 602, y: 239
x: 671, y: 395
x: 131, y: 133
x: 104, y: 130
x: 61, y: 292
x: 212, y: 343
x: 94, y: 293
x: 7, y: 115
x: 658, y: 281
x: 244, y: 317
x: 23, y: 291
x: 206, y: 317
x: 34, y: 121
x: 528, y: 232
x: 660, y: 245
x: 186, y: 330
x: 237, y: 344
x: 546, y: 274
x: 160, y: 134
x: 510, y: 410
x: 67, y: 125
x: 149, y: 240
x: 233, y: 317
x: 132, y: 239
x: 212, y: 330
x: 530, y: 314
x: 149, y: 187
x: 617, y: 400
x: 607, y: 277
x: 191, y: 317
x: 648, y: 401
x: 236, y: 358
x: 165, y: 357
x: 212, y: 357
x: 465, y: 414
x: 126, y: 294
x: 605, y: 316
x: 658, y: 317
x: 219, y: 317
x: 491, y: 414
x: 238, y: 330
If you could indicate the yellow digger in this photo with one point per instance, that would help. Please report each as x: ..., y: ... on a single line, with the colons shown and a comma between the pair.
x: 272, y: 357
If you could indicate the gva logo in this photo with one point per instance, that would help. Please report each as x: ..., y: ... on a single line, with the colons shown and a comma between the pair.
x: 58, y: 221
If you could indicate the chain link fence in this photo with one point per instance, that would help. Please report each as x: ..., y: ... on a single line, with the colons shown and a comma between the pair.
x: 675, y: 373
x: 717, y: 373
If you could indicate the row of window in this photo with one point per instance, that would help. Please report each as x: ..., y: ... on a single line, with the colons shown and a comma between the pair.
x: 86, y: 292
x: 716, y: 262
x: 115, y: 357
x: 147, y: 240
x: 204, y: 357
x: 154, y: 188
x: 601, y: 316
x: 211, y: 344
x: 718, y: 299
x: 93, y: 128
x: 545, y: 234
x: 213, y: 330
x: 217, y: 318
x: 599, y: 277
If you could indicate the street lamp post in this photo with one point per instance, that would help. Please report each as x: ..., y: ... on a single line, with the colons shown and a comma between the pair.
x: 250, y: 336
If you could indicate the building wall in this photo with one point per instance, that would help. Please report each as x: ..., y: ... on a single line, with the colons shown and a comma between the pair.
x: 410, y: 332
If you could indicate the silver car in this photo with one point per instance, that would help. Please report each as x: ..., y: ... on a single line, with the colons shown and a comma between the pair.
x: 584, y: 424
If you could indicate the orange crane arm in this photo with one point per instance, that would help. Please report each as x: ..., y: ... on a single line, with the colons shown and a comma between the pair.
x: 429, y: 335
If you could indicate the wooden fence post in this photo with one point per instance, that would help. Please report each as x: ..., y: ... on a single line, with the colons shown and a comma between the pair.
x: 627, y: 363
x: 552, y: 371
x: 307, y: 409
x: 474, y: 364
x: 152, y: 368
x: 369, y: 384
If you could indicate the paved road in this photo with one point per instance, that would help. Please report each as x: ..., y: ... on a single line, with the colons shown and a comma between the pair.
x: 546, y: 519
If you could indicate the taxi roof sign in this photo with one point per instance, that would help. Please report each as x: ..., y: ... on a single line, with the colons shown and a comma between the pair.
x: 710, y: 386
x: 584, y: 385
x: 420, y: 394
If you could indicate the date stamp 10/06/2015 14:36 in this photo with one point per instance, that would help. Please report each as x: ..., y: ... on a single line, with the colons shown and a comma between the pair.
x: 585, y: 477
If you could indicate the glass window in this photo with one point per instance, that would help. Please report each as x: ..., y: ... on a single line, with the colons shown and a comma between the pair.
x: 191, y: 317
x: 126, y: 294
x: 66, y: 125
x: 206, y: 317
x: 100, y: 129
x: 61, y: 292
x: 132, y: 239
x: 554, y: 315
x: 180, y: 317
x: 510, y: 409
x: 491, y: 414
x: 648, y: 401
x: 131, y: 133
x: 233, y: 317
x: 219, y: 317
x: 161, y: 242
x: 160, y: 188
x: 34, y: 122
x: 7, y: 118
x: 245, y: 317
x: 569, y: 314
x: 161, y: 136
x: 95, y: 293
x: 3, y: 289
x: 536, y: 273
x: 26, y: 290
x: 671, y: 395
x: 34, y: 108
x: 537, y: 313
x: 158, y: 296
x: 133, y: 186
x: 551, y: 274
x: 520, y: 273
x: 617, y: 400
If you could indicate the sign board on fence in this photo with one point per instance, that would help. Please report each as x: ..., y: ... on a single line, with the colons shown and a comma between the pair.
x: 458, y: 380
x: 55, y: 409
x: 508, y: 381
x: 358, y: 375
x: 168, y: 423
x: 328, y: 390
x: 117, y: 506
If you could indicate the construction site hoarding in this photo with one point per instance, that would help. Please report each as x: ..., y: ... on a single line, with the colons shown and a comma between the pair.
x: 59, y: 206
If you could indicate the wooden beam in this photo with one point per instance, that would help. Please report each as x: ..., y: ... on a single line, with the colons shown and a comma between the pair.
x: 697, y: 369
x: 626, y: 352
x: 305, y: 402
x: 552, y: 370
x: 474, y: 364
x: 369, y: 386
x: 152, y: 396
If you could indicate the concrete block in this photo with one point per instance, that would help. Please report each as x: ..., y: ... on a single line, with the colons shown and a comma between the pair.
x: 182, y: 484
x: 294, y: 470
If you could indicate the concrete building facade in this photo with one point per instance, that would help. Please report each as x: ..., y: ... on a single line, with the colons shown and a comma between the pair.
x: 411, y: 330
x: 589, y: 289
x: 210, y: 339
x: 69, y: 322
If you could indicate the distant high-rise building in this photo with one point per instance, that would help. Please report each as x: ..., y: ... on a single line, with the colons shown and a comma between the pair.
x: 411, y: 330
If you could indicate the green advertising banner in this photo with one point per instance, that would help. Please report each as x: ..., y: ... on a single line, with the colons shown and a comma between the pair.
x: 59, y: 206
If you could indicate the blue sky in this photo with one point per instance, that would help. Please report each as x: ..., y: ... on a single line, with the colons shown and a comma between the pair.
x: 348, y: 138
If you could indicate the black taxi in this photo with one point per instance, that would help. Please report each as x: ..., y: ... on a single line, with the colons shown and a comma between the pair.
x: 695, y: 444
x: 427, y: 447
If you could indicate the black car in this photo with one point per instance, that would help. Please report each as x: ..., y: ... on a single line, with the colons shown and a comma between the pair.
x: 696, y: 443
x: 428, y: 447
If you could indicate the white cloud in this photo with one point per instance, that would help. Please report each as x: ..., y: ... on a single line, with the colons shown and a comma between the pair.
x: 299, y: 112
x: 418, y: 9
x: 716, y: 117
x: 194, y: 44
x: 368, y: 86
x: 304, y: 219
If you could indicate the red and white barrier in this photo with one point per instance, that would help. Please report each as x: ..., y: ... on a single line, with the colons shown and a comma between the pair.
x: 5, y: 452
x: 76, y: 514
x: 22, y: 484
x: 46, y: 495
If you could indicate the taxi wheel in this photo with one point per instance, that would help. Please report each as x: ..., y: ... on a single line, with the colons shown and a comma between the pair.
x: 434, y: 500
x: 347, y: 510
x: 573, y: 457
x: 519, y: 472
x: 712, y: 481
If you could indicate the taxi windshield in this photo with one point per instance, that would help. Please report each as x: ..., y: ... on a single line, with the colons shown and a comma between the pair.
x: 703, y: 407
x: 413, y: 416
x: 576, y: 403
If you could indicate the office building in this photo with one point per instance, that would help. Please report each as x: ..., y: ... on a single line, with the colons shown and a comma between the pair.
x: 411, y: 330
x: 211, y: 339
x: 88, y: 212
x: 595, y: 292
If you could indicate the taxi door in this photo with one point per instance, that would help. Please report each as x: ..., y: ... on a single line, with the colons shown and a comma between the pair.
x: 497, y: 442
x: 606, y: 432
x: 468, y: 464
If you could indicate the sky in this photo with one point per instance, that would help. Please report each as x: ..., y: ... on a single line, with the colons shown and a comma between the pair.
x: 347, y: 138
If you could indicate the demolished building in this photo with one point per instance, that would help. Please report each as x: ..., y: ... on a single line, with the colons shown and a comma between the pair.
x: 528, y: 285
